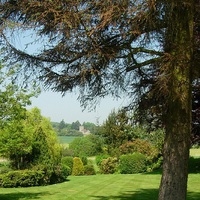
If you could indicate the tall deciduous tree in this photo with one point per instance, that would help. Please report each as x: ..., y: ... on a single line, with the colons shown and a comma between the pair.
x: 15, y: 143
x: 119, y: 47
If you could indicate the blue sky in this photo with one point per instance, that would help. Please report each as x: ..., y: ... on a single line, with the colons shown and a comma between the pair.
x: 56, y: 107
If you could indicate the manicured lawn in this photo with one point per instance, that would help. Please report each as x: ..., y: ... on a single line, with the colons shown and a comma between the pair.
x: 100, y: 187
x: 106, y: 187
x: 195, y: 152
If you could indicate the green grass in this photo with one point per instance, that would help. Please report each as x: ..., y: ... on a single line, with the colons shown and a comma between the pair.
x: 104, y: 187
x: 100, y: 187
x: 195, y: 152
x: 66, y: 139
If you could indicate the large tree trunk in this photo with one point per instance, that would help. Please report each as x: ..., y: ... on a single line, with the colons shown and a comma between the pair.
x: 178, y: 100
x: 176, y: 153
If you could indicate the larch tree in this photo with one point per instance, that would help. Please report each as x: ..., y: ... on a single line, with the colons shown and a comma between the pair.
x: 127, y: 47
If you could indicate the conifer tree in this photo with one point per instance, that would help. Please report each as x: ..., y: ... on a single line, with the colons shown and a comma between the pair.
x: 118, y: 48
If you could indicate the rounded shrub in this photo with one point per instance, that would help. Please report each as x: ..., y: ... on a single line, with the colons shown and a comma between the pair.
x: 78, y: 168
x: 132, y: 163
x: 59, y: 174
x: 144, y: 147
x: 68, y: 161
x: 89, y: 170
x: 108, y: 165
x: 52, y: 175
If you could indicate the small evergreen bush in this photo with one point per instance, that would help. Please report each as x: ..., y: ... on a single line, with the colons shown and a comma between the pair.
x: 84, y: 160
x: 78, y: 168
x: 89, y: 170
x: 68, y: 161
x: 109, y: 165
x: 132, y: 163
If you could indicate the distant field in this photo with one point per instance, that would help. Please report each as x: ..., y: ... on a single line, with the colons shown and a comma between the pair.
x: 66, y: 139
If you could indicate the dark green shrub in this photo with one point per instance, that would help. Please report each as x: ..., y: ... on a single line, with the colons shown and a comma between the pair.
x: 89, y: 170
x: 34, y: 177
x: 65, y: 171
x: 132, y: 163
x: 21, y: 178
x: 52, y: 175
x: 108, y: 165
x: 68, y: 161
x: 156, y: 164
x: 84, y: 160
x: 99, y: 158
x: 78, y: 168
x: 59, y: 174
x: 47, y: 173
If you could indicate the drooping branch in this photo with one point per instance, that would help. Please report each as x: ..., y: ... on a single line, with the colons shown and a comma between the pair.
x: 145, y: 63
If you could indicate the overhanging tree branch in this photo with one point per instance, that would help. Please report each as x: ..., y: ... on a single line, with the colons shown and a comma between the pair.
x: 145, y: 63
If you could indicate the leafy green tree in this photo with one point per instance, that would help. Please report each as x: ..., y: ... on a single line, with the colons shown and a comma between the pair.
x: 90, y: 126
x: 13, y: 102
x: 30, y: 141
x: 111, y: 47
x: 61, y: 125
x: 15, y: 142
x: 89, y: 145
x: 116, y: 130
x: 75, y: 125
x: 46, y: 149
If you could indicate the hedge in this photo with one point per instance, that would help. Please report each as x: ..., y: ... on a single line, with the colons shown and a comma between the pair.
x: 132, y: 163
x: 22, y: 178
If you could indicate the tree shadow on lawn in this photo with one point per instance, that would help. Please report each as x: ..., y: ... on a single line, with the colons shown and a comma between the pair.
x: 194, y: 165
x: 22, y: 195
x: 143, y: 194
x: 193, y: 195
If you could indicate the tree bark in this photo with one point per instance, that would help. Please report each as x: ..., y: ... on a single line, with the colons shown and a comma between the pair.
x: 178, y: 100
